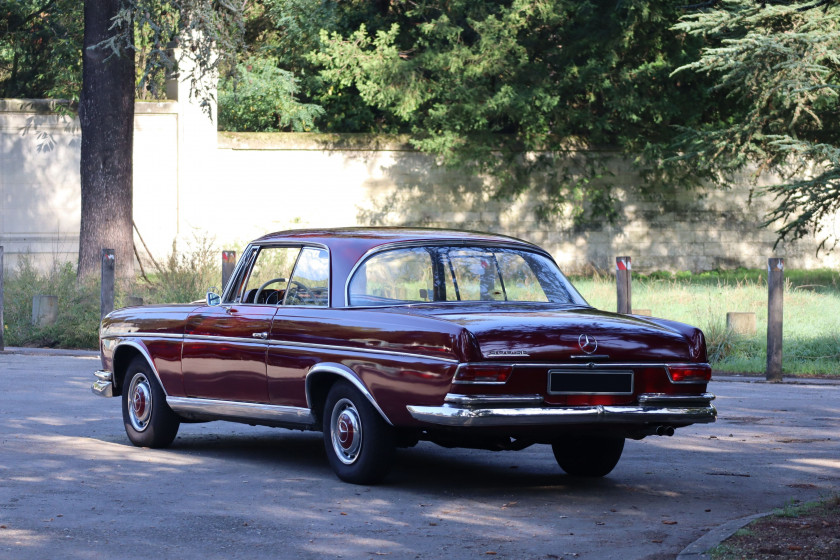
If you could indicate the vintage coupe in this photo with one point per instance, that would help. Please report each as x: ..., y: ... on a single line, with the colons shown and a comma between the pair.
x: 381, y: 338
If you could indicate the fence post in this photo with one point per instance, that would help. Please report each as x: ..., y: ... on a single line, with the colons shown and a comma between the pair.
x: 228, y: 264
x: 106, y: 295
x: 2, y: 324
x: 775, y: 299
x: 622, y: 284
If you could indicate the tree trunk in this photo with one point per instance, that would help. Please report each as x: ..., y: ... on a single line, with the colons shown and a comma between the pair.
x: 106, y: 115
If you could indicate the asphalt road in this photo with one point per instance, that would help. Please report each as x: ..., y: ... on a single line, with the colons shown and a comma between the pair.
x: 71, y: 485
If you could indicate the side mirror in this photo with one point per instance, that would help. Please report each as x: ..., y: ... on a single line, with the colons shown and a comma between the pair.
x: 213, y: 299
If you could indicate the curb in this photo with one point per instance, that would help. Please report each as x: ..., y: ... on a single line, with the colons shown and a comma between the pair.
x: 697, y: 550
x: 784, y: 381
x: 50, y: 352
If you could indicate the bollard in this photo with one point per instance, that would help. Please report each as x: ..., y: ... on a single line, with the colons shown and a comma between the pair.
x: 775, y: 299
x: 741, y: 322
x: 622, y: 284
x: 134, y: 301
x: 106, y: 294
x: 44, y: 310
x: 2, y: 324
x: 228, y: 264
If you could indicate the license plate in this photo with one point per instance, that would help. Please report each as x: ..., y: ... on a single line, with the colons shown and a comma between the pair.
x: 577, y: 382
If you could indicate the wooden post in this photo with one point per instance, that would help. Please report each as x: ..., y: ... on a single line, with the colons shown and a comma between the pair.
x: 775, y: 298
x: 622, y: 284
x: 228, y: 264
x: 106, y: 295
x: 2, y: 324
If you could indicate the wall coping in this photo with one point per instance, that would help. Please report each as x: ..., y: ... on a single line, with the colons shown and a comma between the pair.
x: 37, y: 106
x: 346, y: 142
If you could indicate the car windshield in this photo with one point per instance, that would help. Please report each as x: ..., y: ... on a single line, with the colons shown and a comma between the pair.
x: 462, y: 274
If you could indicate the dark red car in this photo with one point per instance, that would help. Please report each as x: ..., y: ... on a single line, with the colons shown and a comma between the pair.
x: 384, y: 337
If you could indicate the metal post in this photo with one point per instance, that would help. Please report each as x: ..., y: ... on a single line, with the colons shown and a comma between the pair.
x: 228, y: 264
x: 2, y: 324
x: 106, y: 296
x: 622, y: 284
x: 775, y: 299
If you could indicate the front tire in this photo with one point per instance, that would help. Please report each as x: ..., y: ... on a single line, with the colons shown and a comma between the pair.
x: 148, y: 420
x: 358, y: 441
x: 588, y: 456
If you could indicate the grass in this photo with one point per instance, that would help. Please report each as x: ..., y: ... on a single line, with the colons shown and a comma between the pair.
x: 811, y: 306
x: 811, y: 314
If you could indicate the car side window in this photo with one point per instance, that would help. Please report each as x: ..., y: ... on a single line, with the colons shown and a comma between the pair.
x: 310, y: 281
x: 268, y: 281
x: 394, y: 277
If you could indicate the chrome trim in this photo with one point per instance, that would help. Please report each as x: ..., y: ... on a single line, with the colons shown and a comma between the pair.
x: 349, y: 375
x: 478, y: 400
x: 438, y: 242
x: 663, y: 398
x: 358, y: 349
x: 448, y: 415
x: 233, y: 410
x: 146, y: 356
x: 285, y: 343
x: 104, y: 385
x: 141, y: 335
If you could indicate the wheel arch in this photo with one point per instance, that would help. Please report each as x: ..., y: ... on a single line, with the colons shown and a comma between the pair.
x: 125, y: 353
x: 321, y: 378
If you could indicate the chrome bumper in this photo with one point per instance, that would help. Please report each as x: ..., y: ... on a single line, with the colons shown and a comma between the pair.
x: 104, y: 384
x: 478, y: 411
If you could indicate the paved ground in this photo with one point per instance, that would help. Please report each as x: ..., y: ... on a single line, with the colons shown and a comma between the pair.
x: 71, y: 486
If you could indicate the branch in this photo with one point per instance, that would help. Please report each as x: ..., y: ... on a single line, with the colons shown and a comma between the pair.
x: 700, y: 6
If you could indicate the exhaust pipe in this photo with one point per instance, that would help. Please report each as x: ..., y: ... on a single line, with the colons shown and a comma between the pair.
x: 665, y: 431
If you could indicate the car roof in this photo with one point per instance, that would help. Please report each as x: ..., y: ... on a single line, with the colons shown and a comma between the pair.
x: 348, y: 245
x: 371, y: 237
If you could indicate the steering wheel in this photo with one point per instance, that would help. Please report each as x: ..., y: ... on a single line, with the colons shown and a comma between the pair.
x: 261, y: 288
x: 301, y: 294
x: 301, y: 288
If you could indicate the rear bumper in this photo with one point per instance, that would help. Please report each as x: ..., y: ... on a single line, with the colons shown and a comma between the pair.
x: 479, y: 411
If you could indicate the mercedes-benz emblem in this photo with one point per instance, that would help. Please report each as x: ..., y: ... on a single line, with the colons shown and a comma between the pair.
x: 587, y: 343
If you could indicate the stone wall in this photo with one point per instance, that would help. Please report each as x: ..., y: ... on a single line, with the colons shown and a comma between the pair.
x: 190, y: 183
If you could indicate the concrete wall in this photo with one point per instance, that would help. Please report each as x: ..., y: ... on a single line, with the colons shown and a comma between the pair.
x: 191, y: 183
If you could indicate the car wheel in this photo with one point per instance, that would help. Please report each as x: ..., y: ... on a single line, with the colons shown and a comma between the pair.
x: 359, y: 443
x: 588, y: 455
x: 149, y: 422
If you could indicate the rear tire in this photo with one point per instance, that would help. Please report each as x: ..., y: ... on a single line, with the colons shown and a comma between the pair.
x: 149, y: 422
x: 590, y: 456
x: 358, y: 441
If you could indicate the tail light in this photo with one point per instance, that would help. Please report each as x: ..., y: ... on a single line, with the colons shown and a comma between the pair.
x: 690, y: 373
x: 488, y: 374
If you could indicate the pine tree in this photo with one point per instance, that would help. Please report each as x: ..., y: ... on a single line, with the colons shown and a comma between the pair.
x: 777, y: 63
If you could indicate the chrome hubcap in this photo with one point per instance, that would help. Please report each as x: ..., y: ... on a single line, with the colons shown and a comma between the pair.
x: 346, y: 431
x: 140, y: 402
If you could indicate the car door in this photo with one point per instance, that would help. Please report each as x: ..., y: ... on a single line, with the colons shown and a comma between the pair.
x: 224, y: 353
x: 296, y: 340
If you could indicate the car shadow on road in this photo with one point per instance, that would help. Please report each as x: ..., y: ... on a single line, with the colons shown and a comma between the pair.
x: 425, y: 467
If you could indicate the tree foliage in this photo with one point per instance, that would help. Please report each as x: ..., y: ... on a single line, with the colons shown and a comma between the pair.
x: 263, y: 98
x: 479, y: 83
x: 779, y: 64
x: 40, y: 48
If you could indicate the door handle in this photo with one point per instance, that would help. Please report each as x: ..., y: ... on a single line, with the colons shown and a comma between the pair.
x: 262, y: 335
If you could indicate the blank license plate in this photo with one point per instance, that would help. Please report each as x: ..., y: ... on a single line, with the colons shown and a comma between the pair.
x: 577, y: 382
